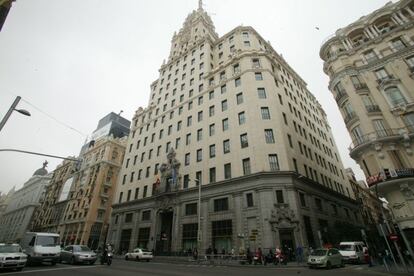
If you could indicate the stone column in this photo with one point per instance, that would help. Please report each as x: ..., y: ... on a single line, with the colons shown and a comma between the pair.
x: 368, y: 34
x: 405, y: 19
x: 408, y: 9
x: 345, y: 45
x: 396, y: 18
x: 349, y: 43
x: 175, y: 230
x: 373, y: 30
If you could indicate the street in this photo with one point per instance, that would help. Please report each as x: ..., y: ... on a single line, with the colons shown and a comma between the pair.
x: 125, y: 268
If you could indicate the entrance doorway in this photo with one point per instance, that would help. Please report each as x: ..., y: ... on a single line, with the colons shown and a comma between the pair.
x: 125, y: 239
x: 287, y: 242
x: 165, y: 235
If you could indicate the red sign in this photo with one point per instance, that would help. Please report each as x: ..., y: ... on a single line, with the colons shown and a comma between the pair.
x: 393, y: 237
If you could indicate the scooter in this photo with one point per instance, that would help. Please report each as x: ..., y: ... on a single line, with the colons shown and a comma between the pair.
x: 106, y: 258
x: 280, y: 259
x: 257, y: 259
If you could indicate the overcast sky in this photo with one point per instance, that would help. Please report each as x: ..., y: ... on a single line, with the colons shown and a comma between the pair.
x: 78, y: 60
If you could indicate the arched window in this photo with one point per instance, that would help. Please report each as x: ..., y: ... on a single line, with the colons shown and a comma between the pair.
x: 395, y: 97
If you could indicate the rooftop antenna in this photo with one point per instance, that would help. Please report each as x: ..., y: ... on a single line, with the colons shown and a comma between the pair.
x: 120, y: 112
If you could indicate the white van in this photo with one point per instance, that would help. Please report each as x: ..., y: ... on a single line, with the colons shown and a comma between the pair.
x: 41, y: 247
x: 352, y: 252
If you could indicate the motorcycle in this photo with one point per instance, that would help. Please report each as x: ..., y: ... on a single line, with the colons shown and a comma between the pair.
x: 257, y: 259
x: 280, y: 258
x: 106, y: 258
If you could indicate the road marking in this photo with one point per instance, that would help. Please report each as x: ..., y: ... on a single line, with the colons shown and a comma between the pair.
x: 45, y: 270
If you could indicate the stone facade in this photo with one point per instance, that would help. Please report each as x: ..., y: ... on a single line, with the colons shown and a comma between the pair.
x: 371, y: 68
x: 230, y: 107
x: 17, y: 218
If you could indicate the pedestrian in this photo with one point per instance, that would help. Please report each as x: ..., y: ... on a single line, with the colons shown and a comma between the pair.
x: 209, y: 251
x: 195, y: 254
x: 249, y: 255
x: 299, y: 254
x: 215, y: 252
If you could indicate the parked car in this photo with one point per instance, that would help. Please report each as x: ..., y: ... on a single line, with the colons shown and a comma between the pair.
x: 41, y: 247
x: 325, y: 258
x: 74, y: 254
x: 352, y: 252
x: 139, y: 254
x: 12, y: 256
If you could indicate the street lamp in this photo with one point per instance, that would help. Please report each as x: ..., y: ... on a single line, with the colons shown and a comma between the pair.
x: 11, y: 109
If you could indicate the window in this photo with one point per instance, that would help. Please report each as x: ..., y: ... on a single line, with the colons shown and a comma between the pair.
x: 120, y: 197
x: 211, y: 111
x: 398, y: 44
x: 245, y: 35
x: 273, y: 162
x: 380, y: 128
x: 136, y: 193
x: 225, y: 124
x: 227, y: 171
x: 246, y: 43
x: 381, y: 74
x: 212, y: 151
x: 302, y: 199
x: 186, y: 180
x: 256, y: 63
x: 199, y: 134
x: 212, y: 175
x: 200, y: 116
x: 211, y: 129
x: 199, y: 155
x: 358, y: 135
x: 236, y: 69
x: 410, y: 62
x: 394, y: 96
x: 211, y: 95
x: 222, y: 75
x: 198, y: 178
x: 334, y: 209
x: 237, y: 82
x: 242, y: 118
x: 146, y: 215
x: 279, y: 196
x: 265, y: 113
x: 191, y: 209
x: 270, y: 139
x: 249, y: 200
x: 179, y: 123
x: 246, y: 166
x: 258, y: 76
x: 370, y: 56
x: 226, y: 146
x: 145, y: 191
x: 239, y: 98
x: 244, y: 141
x: 188, y: 139
x: 187, y: 159
x: 261, y: 92
x: 224, y: 105
x: 223, y: 89
x: 221, y: 204
x: 128, y: 217
x: 190, y: 105
x: 189, y: 120
x: 132, y: 175
x: 318, y: 204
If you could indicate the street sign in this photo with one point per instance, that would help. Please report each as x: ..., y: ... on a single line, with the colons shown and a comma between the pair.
x: 393, y: 237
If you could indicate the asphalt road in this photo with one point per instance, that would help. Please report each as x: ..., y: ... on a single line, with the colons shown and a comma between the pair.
x: 129, y: 268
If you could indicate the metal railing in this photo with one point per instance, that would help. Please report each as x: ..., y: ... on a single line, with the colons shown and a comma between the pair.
x: 379, y: 134
x: 349, y: 117
x: 360, y: 86
x: 372, y: 108
x: 340, y: 96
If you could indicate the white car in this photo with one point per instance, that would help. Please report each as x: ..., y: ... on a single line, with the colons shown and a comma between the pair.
x: 139, y: 254
x: 12, y: 256
x: 352, y: 252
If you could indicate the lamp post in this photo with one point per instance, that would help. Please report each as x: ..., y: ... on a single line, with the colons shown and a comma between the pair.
x: 11, y: 109
x: 197, y: 181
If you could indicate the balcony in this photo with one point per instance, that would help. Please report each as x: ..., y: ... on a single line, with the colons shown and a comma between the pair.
x: 340, y: 95
x: 104, y: 195
x: 372, y: 109
x: 381, y: 135
x: 360, y: 86
x: 350, y: 117
x: 385, y: 79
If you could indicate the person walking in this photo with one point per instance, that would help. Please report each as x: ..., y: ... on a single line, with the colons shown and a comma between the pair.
x: 299, y: 254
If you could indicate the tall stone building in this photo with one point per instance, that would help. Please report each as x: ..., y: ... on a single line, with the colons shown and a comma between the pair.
x: 5, y: 6
x: 78, y: 201
x: 228, y: 113
x: 371, y: 68
x: 50, y: 213
x: 5, y: 200
x: 17, y: 218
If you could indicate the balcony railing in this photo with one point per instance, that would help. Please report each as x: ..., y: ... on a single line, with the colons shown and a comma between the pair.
x: 349, y: 117
x: 373, y: 108
x: 380, y: 134
x: 385, y: 79
x: 341, y: 95
x: 360, y: 86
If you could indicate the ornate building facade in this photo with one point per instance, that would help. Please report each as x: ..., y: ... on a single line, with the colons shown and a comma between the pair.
x: 17, y: 218
x: 371, y: 68
x: 229, y: 114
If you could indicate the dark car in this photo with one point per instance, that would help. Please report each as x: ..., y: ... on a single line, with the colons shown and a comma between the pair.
x: 74, y: 254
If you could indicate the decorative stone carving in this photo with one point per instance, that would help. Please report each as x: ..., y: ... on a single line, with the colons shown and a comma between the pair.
x: 407, y: 190
x: 170, y: 177
x: 165, y: 203
x: 283, y: 217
